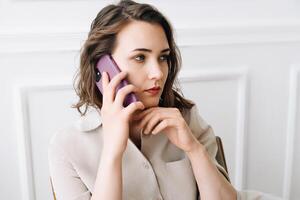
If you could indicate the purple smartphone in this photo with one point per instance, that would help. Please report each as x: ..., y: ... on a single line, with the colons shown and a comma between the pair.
x: 106, y: 63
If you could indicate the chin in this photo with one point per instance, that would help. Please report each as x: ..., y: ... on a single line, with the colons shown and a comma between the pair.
x: 149, y: 104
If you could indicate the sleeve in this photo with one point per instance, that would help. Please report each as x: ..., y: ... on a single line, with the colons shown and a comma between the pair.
x: 67, y: 185
x: 205, y: 135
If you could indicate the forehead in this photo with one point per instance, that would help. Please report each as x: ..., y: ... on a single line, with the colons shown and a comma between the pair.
x: 139, y: 34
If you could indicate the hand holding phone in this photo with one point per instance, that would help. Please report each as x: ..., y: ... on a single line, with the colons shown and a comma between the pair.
x: 106, y: 63
x: 116, y: 118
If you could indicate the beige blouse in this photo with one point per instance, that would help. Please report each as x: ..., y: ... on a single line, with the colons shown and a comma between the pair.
x: 158, y: 171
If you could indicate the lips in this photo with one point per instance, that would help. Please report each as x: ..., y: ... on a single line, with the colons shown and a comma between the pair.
x: 153, y: 91
x: 154, y: 88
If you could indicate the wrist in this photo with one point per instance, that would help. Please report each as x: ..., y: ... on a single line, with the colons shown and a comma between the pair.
x: 111, y: 155
x: 196, y: 149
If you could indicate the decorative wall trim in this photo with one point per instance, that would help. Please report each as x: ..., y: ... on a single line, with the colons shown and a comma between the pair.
x: 41, y: 42
x: 71, y: 40
x: 240, y: 75
x: 23, y: 88
x: 291, y: 130
x: 228, y: 35
x: 22, y: 121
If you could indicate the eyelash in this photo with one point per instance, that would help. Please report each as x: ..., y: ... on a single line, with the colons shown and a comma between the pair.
x: 166, y: 57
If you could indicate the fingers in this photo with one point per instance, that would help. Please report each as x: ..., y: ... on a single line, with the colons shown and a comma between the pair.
x: 105, y: 82
x: 131, y: 108
x: 109, y: 96
x: 121, y: 94
x: 109, y: 88
x: 154, y: 116
x: 163, y: 125
x: 143, y: 114
x: 153, y: 120
x: 146, y: 119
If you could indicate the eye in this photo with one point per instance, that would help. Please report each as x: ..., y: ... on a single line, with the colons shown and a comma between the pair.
x: 164, y: 57
x: 140, y: 58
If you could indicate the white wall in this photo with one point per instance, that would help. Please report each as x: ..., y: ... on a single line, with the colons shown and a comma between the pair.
x: 241, y: 64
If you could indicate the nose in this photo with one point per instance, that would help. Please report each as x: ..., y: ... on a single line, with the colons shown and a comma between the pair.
x: 155, y: 71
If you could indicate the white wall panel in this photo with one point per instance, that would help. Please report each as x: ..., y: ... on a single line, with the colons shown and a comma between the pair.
x: 268, y: 102
x: 26, y: 70
x: 37, y: 102
x: 221, y: 96
x: 292, y: 162
x: 39, y: 52
x: 44, y: 103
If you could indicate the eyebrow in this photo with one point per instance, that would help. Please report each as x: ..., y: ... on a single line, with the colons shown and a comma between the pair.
x: 149, y: 50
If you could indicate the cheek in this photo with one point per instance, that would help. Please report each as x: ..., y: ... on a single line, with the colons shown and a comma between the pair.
x: 132, y: 72
x: 136, y: 77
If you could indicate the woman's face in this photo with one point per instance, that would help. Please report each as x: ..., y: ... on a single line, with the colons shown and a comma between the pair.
x: 142, y: 51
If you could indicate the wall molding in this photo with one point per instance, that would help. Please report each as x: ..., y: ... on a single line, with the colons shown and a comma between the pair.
x: 41, y: 42
x: 242, y: 34
x: 21, y: 114
x: 21, y: 90
x: 71, y: 40
x: 241, y: 76
x: 293, y: 107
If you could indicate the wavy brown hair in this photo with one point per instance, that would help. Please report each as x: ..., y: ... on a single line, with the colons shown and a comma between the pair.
x: 102, y: 39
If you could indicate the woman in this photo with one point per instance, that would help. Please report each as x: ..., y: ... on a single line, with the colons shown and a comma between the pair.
x: 156, y: 148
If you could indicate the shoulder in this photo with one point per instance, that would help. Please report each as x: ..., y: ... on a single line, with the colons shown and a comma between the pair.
x: 194, y: 119
x: 81, y: 132
x: 197, y: 124
x: 64, y: 136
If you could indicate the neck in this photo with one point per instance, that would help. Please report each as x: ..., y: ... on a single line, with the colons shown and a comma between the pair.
x: 134, y: 134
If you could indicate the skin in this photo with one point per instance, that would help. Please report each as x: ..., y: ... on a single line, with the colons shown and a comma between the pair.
x: 145, y: 69
x: 138, y: 52
x: 150, y: 64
